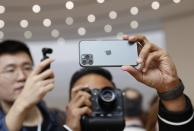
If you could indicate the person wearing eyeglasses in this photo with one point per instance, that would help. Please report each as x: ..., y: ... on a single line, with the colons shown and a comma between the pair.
x: 22, y: 89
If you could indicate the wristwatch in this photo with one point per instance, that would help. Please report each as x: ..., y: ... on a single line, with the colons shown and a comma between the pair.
x: 173, y: 93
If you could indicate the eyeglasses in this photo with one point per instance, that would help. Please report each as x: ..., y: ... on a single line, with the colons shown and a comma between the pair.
x: 12, y: 72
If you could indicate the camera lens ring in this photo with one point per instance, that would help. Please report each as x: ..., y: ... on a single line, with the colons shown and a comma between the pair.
x: 84, y: 62
x: 87, y: 56
x: 90, y: 62
x: 107, y: 95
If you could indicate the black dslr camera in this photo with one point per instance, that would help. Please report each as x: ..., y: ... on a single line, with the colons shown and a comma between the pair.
x: 107, y: 111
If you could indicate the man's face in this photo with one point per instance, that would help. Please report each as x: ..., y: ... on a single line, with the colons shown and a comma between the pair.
x: 14, y: 70
x: 93, y: 81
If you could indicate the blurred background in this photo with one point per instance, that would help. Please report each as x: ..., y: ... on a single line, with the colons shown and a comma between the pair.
x: 61, y: 24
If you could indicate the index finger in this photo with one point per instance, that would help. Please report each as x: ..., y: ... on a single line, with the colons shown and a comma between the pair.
x: 136, y: 38
x: 77, y: 88
x: 140, y: 38
x: 38, y: 69
x: 146, y: 47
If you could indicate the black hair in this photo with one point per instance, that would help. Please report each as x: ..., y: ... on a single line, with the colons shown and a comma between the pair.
x: 14, y: 47
x: 89, y: 70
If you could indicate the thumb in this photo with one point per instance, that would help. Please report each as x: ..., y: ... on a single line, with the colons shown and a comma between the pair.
x: 133, y: 71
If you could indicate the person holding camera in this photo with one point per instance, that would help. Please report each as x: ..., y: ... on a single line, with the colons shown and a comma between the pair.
x: 22, y: 90
x: 86, y: 84
x: 156, y: 70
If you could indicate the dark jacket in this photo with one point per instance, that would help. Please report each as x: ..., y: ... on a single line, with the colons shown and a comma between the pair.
x: 50, y: 122
x: 176, y: 121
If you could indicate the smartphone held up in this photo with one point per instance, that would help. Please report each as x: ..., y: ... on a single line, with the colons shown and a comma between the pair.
x: 108, y: 53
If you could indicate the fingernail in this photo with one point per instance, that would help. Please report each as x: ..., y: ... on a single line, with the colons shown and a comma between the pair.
x: 131, y: 37
x: 139, y: 60
x: 125, y: 35
x: 138, y: 66
x: 144, y: 70
x: 124, y: 68
x: 52, y: 60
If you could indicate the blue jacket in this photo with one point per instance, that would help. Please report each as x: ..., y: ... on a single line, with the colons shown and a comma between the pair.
x: 50, y: 122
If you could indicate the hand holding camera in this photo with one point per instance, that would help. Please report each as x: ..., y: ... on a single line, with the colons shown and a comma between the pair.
x: 78, y: 106
x: 95, y: 109
x: 107, y: 111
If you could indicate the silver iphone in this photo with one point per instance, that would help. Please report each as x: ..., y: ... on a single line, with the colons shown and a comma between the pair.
x: 107, y: 53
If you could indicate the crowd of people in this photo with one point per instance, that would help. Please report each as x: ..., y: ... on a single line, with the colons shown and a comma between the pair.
x: 23, y: 87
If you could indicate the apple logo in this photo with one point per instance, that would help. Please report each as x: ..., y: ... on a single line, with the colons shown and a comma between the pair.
x: 108, y: 52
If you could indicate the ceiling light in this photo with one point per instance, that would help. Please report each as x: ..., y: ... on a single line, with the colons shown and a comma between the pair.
x: 81, y: 31
x: 1, y: 35
x: 134, y: 24
x: 28, y: 34
x: 61, y: 41
x: 155, y: 5
x: 55, y: 33
x: 100, y: 1
x: 24, y: 23
x: 107, y: 28
x: 69, y: 5
x: 2, y: 24
x: 134, y: 10
x: 113, y: 15
x: 47, y: 22
x: 36, y: 8
x: 91, y: 18
x: 2, y: 9
x: 176, y: 1
x: 69, y: 21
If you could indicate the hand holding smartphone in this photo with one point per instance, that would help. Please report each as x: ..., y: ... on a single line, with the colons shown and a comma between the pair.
x: 111, y: 53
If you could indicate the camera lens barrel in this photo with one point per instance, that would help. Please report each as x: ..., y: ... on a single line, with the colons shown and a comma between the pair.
x: 107, y: 95
x: 107, y: 98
